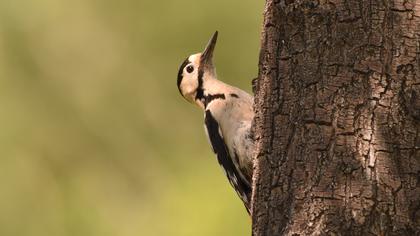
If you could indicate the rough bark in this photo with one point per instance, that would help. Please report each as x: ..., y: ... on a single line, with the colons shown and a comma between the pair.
x: 337, y: 120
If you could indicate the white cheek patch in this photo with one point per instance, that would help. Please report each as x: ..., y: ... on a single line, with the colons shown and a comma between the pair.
x: 189, y: 84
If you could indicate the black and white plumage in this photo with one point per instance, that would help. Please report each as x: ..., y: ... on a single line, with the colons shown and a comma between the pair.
x: 228, y: 114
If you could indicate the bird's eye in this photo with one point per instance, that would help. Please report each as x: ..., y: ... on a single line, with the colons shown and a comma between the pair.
x: 190, y: 69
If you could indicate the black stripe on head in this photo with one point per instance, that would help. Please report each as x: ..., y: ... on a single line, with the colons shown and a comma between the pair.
x: 180, y: 76
x: 200, y: 90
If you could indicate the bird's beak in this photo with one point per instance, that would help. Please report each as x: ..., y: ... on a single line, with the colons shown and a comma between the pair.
x: 207, y: 55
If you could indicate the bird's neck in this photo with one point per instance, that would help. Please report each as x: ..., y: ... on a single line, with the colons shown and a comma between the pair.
x: 211, y: 89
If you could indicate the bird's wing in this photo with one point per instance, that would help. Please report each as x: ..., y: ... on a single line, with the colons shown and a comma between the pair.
x: 243, y: 189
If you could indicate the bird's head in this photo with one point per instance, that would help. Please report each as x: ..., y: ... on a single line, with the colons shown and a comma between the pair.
x: 194, y: 71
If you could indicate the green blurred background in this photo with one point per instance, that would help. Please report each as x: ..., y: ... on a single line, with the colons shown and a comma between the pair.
x: 95, y: 138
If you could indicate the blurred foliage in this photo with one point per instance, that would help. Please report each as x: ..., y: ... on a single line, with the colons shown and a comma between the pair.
x: 95, y: 139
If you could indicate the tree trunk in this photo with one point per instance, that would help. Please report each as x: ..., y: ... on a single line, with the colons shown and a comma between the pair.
x: 337, y: 120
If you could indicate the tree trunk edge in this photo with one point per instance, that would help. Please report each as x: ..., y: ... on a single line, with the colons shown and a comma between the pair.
x: 273, y: 199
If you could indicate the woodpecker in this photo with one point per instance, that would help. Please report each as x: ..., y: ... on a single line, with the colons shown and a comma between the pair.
x: 228, y: 114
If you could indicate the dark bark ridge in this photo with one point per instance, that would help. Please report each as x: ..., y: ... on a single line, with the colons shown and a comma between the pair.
x: 337, y: 122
